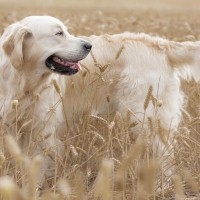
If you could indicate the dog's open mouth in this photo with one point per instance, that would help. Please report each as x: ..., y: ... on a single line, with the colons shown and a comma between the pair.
x: 62, y: 65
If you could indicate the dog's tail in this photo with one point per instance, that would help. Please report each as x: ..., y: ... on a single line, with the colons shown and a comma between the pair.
x: 185, y: 58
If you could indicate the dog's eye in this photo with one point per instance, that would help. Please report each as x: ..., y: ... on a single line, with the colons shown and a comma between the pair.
x: 60, y: 33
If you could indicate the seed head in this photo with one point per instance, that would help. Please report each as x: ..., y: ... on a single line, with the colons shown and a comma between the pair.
x: 14, y: 104
x: 56, y: 86
x: 119, y: 52
x: 7, y: 188
x: 14, y: 148
x: 108, y: 98
x: 148, y: 97
x: 159, y: 103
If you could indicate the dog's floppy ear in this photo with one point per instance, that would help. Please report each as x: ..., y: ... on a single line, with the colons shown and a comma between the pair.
x: 13, y: 43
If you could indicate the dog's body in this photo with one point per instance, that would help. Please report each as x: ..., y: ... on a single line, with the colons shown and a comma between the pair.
x: 116, y: 77
x: 131, y: 63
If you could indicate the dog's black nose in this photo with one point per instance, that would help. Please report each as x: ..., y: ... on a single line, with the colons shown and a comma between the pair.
x: 87, y: 46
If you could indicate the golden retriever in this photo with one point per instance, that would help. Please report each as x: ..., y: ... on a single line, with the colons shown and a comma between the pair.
x: 36, y: 52
x: 30, y: 50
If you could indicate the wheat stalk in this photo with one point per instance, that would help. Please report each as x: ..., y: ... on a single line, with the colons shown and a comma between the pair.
x: 134, y: 153
x: 15, y: 106
x: 96, y: 134
x: 194, y: 121
x: 93, y: 57
x: 190, y: 180
x: 7, y: 187
x: 64, y: 188
x: 102, y: 185
x: 101, y: 119
x: 119, y: 52
x: 108, y: 98
x: 151, y: 127
x: 186, y: 114
x: 57, y: 88
x: 79, y: 189
x: 73, y: 150
x: 14, y: 148
x: 178, y: 187
x: 148, y: 97
x: 85, y: 67
x: 33, y: 171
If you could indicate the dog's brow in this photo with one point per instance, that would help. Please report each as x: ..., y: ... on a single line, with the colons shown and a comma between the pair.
x: 64, y: 28
x: 59, y: 27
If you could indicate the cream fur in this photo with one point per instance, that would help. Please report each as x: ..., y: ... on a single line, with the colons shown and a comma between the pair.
x: 144, y: 61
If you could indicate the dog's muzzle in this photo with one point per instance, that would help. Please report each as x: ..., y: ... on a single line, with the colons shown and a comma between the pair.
x: 64, y: 66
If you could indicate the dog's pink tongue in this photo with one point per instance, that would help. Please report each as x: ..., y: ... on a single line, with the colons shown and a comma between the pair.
x: 77, y: 65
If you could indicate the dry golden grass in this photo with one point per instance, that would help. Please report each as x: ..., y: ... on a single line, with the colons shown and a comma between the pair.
x: 104, y: 160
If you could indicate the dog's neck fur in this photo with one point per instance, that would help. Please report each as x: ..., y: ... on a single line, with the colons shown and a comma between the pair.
x: 18, y: 85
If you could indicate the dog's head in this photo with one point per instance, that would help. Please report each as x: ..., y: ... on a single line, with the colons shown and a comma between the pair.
x: 43, y: 42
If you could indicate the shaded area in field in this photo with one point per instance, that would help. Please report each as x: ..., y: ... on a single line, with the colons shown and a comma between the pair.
x: 168, y: 19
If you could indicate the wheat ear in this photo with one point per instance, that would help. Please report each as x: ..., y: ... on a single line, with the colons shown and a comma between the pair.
x: 57, y: 88
x: 148, y: 97
x: 178, y: 187
x: 119, y: 52
x: 15, y: 106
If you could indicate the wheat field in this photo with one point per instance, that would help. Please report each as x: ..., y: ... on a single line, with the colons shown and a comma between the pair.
x: 105, y: 160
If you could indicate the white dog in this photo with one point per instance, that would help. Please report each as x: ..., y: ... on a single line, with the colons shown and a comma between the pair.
x: 30, y: 50
x: 121, y: 68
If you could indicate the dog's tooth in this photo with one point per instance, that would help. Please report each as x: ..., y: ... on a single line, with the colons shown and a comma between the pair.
x: 73, y: 66
x: 55, y: 58
x: 52, y: 67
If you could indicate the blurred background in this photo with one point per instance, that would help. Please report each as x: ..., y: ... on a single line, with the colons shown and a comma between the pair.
x: 167, y: 4
x: 172, y: 19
